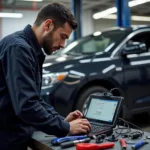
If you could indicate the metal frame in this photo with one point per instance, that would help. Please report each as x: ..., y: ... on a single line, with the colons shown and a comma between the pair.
x: 77, y: 10
x: 123, y: 13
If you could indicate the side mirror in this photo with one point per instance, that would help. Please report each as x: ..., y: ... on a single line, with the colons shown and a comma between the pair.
x: 134, y: 48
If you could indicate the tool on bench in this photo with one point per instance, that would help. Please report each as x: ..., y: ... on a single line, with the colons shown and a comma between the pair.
x: 91, y: 146
x: 58, y: 141
x: 123, y: 143
x: 139, y: 144
x: 72, y: 143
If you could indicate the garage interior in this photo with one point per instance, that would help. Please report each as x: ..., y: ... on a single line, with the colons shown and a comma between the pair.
x: 93, y: 17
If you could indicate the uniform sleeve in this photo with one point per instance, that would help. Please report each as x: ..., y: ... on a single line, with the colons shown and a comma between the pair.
x: 49, y: 108
x: 19, y: 68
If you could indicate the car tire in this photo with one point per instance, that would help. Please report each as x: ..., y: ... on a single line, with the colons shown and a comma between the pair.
x: 83, y: 97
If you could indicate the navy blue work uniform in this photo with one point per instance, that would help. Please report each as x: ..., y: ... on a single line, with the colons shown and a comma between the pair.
x: 21, y: 109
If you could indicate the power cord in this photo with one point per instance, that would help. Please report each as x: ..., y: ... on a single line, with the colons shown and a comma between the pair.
x: 125, y: 131
x: 135, y: 134
x: 122, y: 130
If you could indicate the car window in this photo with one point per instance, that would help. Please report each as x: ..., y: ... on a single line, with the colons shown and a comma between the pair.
x: 143, y: 37
x: 99, y: 43
x: 72, y: 47
x: 92, y: 44
x: 89, y: 47
x: 95, y: 45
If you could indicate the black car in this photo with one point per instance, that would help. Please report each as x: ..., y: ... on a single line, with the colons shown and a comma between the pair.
x: 116, y: 58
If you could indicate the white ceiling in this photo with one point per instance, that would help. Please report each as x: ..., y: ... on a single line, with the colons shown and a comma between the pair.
x: 95, y: 5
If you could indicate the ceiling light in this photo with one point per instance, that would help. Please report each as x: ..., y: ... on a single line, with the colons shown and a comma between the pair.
x: 134, y: 18
x: 11, y: 15
x: 140, y: 18
x: 110, y: 17
x: 105, y: 13
x: 137, y: 2
x: 112, y: 10
x: 33, y: 0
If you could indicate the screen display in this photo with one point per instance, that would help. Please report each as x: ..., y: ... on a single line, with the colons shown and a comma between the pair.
x: 103, y: 110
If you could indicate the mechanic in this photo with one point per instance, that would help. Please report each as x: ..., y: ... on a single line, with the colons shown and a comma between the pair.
x: 22, y: 54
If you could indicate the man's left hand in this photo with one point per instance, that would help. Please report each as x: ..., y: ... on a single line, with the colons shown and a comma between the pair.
x: 73, y: 116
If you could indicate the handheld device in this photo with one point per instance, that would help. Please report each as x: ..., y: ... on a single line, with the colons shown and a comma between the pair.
x: 102, y: 111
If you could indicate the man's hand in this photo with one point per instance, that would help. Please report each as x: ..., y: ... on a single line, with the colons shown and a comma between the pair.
x: 79, y: 126
x: 73, y: 116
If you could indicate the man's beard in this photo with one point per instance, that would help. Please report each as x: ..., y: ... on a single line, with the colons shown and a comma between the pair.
x: 48, y: 43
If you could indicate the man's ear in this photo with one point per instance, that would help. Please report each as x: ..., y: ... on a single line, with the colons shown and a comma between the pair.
x: 48, y: 25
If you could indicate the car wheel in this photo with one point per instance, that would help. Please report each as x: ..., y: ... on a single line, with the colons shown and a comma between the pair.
x: 82, y: 100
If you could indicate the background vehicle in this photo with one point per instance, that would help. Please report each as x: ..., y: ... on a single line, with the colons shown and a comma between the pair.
x: 116, y: 58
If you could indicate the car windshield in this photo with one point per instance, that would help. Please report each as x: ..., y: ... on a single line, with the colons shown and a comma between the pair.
x: 98, y: 42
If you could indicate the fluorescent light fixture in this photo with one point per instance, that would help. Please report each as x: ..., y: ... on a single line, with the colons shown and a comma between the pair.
x: 137, y: 2
x: 105, y: 13
x: 112, y: 10
x: 134, y: 18
x: 33, y: 0
x: 110, y: 17
x: 140, y: 18
x: 11, y: 15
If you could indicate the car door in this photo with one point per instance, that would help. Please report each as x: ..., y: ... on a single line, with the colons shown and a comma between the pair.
x: 136, y: 68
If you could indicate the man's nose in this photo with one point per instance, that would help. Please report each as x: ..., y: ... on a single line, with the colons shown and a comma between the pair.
x: 62, y: 44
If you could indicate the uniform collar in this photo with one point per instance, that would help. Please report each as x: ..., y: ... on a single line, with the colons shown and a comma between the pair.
x: 34, y: 42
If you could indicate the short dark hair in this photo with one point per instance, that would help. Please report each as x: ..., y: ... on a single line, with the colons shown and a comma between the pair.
x: 58, y: 12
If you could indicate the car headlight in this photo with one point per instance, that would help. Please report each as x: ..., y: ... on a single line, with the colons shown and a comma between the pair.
x: 52, y: 78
